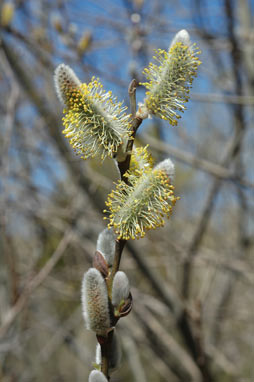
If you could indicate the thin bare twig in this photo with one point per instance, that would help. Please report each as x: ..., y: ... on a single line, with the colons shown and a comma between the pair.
x: 205, y: 215
x: 214, y: 169
x: 178, y: 359
x: 223, y: 98
x: 136, y: 122
x: 36, y: 281
x: 12, y: 99
x: 178, y: 308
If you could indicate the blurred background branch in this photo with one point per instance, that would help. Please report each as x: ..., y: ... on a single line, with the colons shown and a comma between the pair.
x: 193, y: 280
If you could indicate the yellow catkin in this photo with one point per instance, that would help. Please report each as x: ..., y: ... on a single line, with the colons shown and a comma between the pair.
x: 141, y: 205
x: 170, y: 80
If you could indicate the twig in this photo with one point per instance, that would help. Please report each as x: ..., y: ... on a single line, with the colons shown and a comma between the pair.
x: 135, y: 363
x: 119, y: 244
x: 8, y: 249
x: 229, y: 284
x: 214, y: 169
x: 179, y: 310
x: 123, y: 167
x: 205, y: 216
x: 51, y: 121
x: 223, y: 98
x: 35, y: 282
x: 132, y: 95
x: 175, y: 356
x: 136, y: 122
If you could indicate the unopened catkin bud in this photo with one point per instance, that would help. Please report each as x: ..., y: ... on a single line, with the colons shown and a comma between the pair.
x: 120, y: 288
x: 66, y: 83
x: 94, y: 298
x: 168, y: 166
x: 97, y: 376
x: 106, y: 245
x: 181, y: 36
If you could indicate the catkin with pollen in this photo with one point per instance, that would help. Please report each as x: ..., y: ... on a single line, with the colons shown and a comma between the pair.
x: 170, y: 80
x: 140, y: 205
x: 95, y: 123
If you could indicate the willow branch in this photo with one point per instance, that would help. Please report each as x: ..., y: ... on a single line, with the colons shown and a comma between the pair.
x: 120, y: 243
x: 123, y: 167
x: 136, y: 122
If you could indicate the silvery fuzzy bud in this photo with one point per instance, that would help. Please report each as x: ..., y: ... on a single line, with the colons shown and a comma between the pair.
x: 97, y: 376
x: 181, y: 36
x: 106, y: 245
x: 168, y: 166
x: 66, y: 82
x: 120, y: 288
x: 94, y: 298
x: 115, y: 354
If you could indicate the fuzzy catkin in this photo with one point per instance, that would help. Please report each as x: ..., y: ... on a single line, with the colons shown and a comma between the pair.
x: 94, y: 299
x: 95, y: 123
x: 168, y: 166
x: 170, y: 80
x: 106, y: 245
x: 181, y: 36
x: 66, y: 82
x: 120, y: 288
x: 97, y: 376
x: 140, y: 205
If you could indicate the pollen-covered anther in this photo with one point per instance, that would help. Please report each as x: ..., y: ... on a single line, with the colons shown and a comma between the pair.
x: 141, y: 161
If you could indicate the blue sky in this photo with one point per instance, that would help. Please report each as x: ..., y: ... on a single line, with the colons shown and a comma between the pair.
x: 111, y: 55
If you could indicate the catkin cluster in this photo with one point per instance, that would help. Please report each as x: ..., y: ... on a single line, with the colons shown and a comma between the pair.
x: 96, y: 125
x: 103, y: 305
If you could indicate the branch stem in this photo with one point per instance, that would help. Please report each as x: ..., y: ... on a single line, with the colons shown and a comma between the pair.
x: 120, y: 243
x: 105, y: 353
